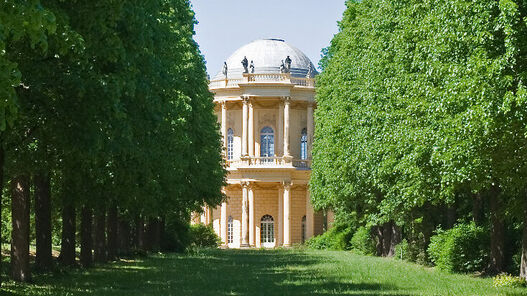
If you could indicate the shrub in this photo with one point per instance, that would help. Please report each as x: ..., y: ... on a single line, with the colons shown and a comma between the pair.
x: 463, y: 248
x: 176, y: 237
x: 336, y: 238
x: 203, y: 236
x: 362, y: 241
x: 416, y: 250
x: 508, y: 281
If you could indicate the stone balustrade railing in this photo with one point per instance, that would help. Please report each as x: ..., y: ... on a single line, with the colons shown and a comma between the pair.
x: 269, y: 162
x: 262, y: 78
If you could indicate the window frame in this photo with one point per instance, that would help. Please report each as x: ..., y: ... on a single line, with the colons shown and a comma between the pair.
x: 267, y: 148
x: 230, y: 144
x: 303, y: 144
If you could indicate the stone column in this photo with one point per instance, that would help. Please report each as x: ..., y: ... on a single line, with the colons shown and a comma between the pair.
x: 280, y: 227
x: 287, y: 214
x: 310, y: 216
x: 287, y: 101
x: 245, y: 228
x: 224, y: 124
x: 203, y: 216
x: 223, y: 223
x: 251, y: 216
x: 280, y: 134
x: 251, y: 129
x: 310, y: 127
x: 244, y: 127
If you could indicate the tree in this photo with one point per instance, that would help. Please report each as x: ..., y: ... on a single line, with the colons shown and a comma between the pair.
x: 421, y: 103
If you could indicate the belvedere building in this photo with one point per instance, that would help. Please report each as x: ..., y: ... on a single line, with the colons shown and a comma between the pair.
x: 264, y: 99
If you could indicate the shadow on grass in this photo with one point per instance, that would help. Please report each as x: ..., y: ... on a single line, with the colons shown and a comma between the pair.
x: 211, y: 272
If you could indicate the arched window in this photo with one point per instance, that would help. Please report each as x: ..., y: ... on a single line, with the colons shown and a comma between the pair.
x: 304, y: 229
x: 267, y: 231
x: 267, y: 142
x: 303, y: 144
x: 230, y: 144
x: 230, y: 230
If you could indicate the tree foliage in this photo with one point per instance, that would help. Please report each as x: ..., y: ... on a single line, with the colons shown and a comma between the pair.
x: 111, y: 100
x: 422, y: 104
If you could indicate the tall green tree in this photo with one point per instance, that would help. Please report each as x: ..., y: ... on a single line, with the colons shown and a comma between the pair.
x: 419, y: 104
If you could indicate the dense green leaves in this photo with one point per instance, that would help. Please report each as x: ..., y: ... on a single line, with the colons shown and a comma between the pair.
x: 112, y: 98
x: 421, y: 103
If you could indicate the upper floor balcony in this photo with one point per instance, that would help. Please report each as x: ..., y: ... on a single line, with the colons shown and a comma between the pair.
x: 269, y: 162
x: 259, y: 78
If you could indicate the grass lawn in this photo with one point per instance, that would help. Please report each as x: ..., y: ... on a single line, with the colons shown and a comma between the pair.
x: 257, y: 272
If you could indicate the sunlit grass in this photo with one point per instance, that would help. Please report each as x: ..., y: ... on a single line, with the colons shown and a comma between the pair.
x: 257, y: 272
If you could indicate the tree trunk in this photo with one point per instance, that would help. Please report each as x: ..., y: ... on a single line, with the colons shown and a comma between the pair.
x: 20, y: 233
x: 476, y: 208
x: 124, y: 237
x: 86, y: 236
x: 395, y: 239
x: 496, y: 233
x: 378, y: 242
x: 44, y: 258
x: 153, y: 234
x: 113, y: 242
x: 1, y: 197
x: 67, y: 245
x: 386, y: 238
x: 140, y: 233
x: 162, y: 234
x: 450, y: 216
x: 523, y: 265
x: 100, y: 236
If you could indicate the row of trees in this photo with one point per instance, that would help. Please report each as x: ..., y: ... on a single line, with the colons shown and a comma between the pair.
x: 422, y: 120
x: 105, y: 118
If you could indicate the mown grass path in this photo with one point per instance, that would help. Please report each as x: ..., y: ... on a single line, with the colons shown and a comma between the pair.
x: 256, y: 272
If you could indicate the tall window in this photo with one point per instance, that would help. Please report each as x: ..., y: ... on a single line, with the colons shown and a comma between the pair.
x: 230, y: 144
x: 304, y: 229
x: 303, y: 144
x: 230, y: 230
x: 267, y: 230
x: 267, y: 142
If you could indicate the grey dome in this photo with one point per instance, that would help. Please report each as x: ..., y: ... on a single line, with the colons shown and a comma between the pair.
x: 267, y: 55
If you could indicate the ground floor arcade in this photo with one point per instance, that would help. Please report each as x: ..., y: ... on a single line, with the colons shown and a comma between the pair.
x: 265, y: 214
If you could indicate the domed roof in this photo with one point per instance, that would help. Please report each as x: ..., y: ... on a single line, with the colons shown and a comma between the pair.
x: 267, y: 56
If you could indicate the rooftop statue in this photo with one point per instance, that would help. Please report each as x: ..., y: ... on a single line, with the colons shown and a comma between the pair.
x: 252, y: 66
x: 288, y: 64
x: 309, y: 72
x: 245, y: 64
x: 282, y: 67
x: 224, y: 70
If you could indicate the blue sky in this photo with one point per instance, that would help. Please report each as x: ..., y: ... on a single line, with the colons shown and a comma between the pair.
x: 226, y: 25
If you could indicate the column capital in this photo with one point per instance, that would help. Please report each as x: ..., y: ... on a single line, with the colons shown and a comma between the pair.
x: 245, y: 99
x: 246, y: 184
x: 286, y: 99
x: 286, y: 184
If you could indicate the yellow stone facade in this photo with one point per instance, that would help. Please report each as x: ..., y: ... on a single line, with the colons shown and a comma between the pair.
x: 268, y: 201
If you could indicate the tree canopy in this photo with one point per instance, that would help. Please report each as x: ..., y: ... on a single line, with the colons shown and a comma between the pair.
x: 422, y: 103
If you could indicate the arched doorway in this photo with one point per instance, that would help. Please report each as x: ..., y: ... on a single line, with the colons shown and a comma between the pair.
x: 267, y: 231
